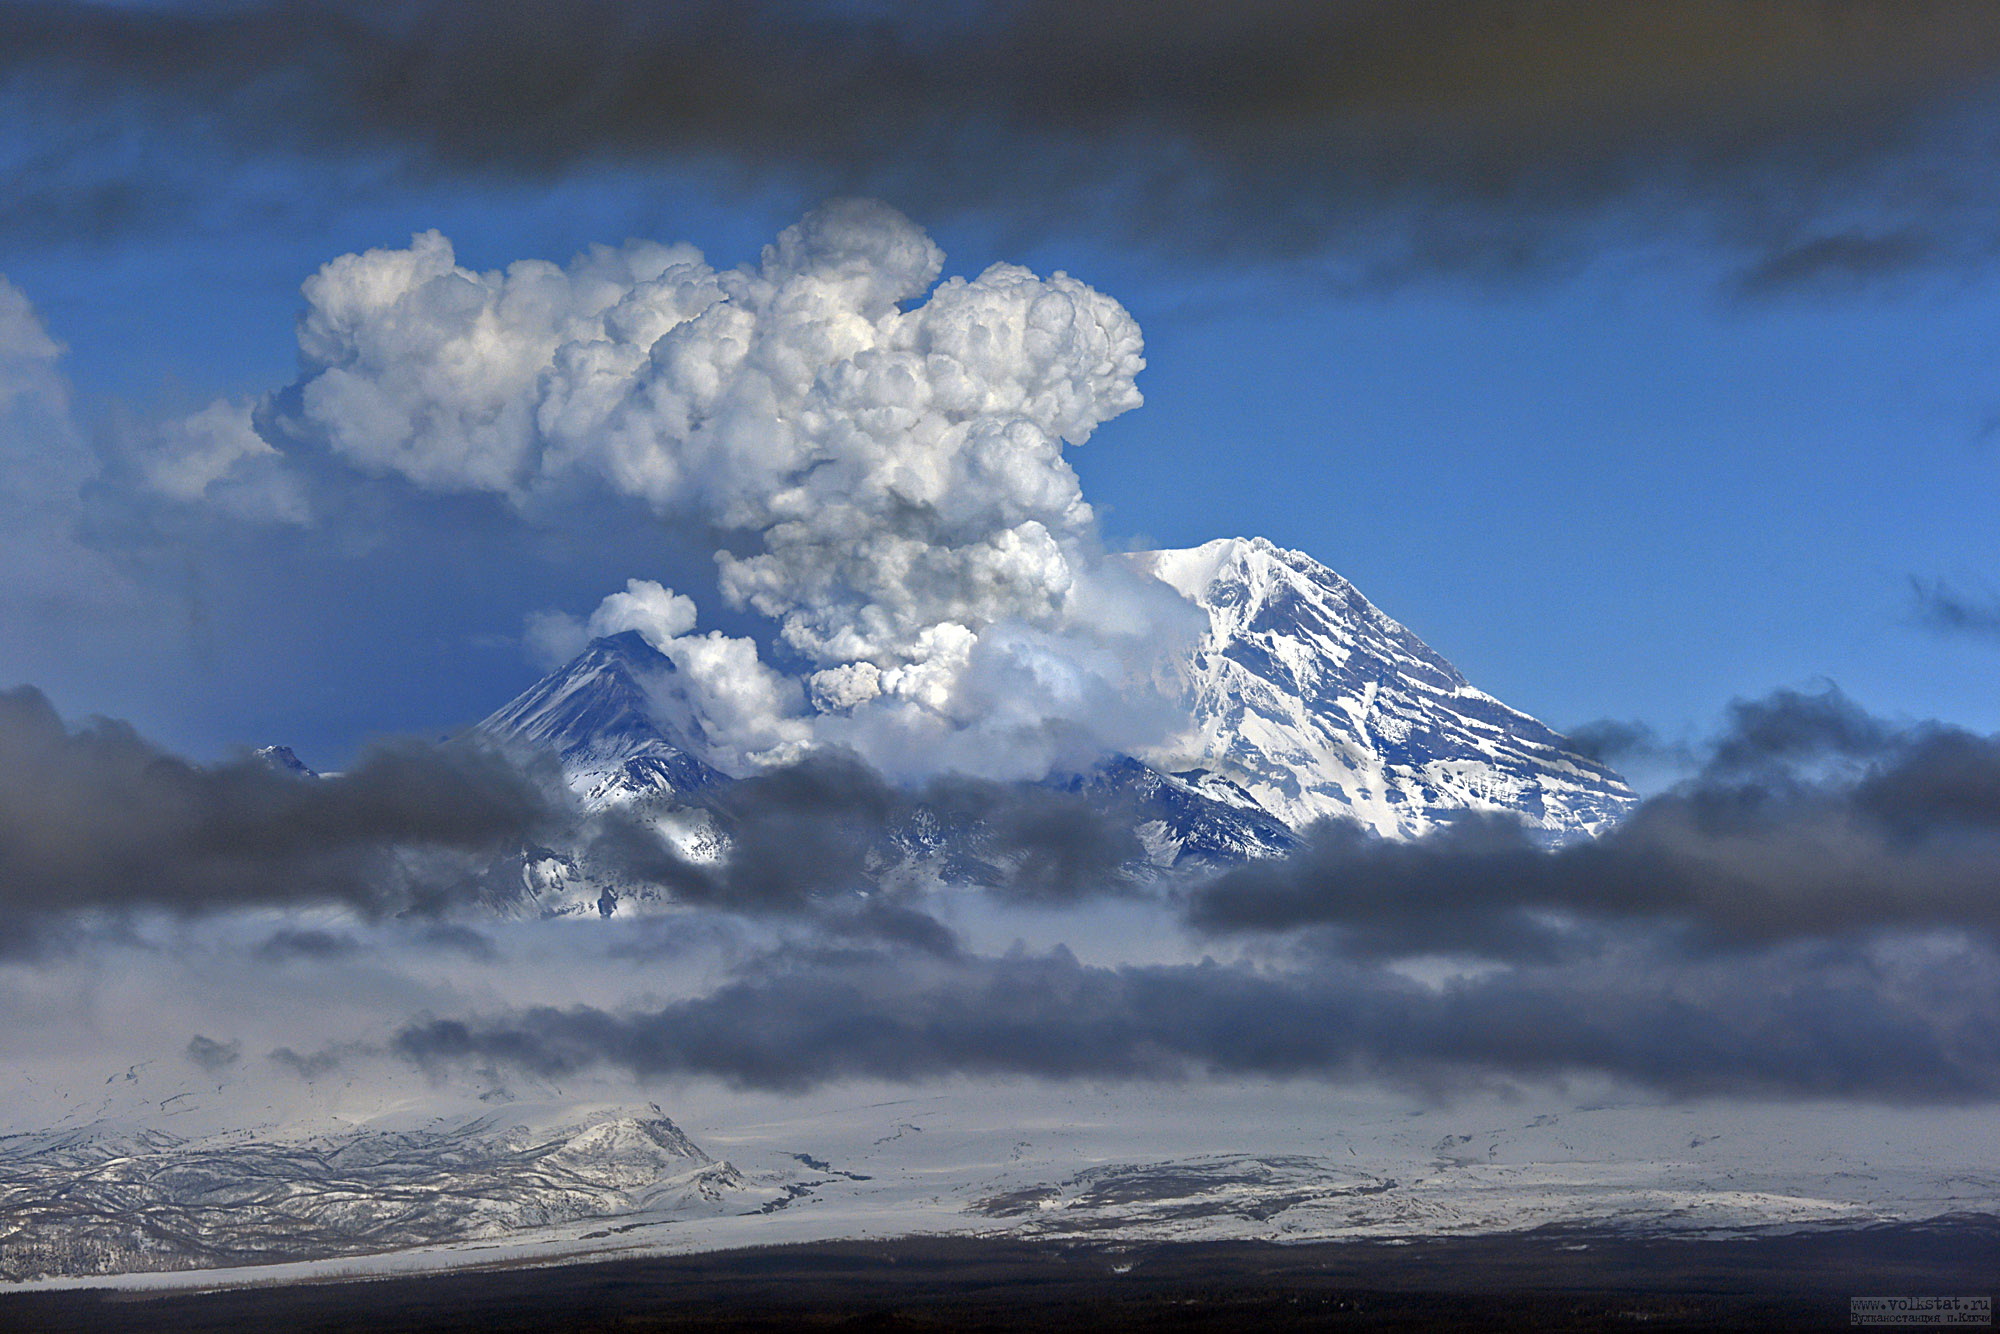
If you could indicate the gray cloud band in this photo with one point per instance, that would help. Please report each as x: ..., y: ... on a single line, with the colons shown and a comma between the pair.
x: 1815, y: 841
x: 1270, y: 127
x: 1810, y: 819
x: 1760, y: 931
x: 1794, y: 1023
x: 99, y: 818
x: 831, y: 825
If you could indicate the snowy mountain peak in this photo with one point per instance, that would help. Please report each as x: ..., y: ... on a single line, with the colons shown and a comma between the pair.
x: 282, y: 760
x: 1304, y: 702
x: 1319, y: 705
x: 597, y: 707
x: 616, y: 718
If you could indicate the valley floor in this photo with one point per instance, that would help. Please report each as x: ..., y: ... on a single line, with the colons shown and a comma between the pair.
x: 1550, y: 1278
x: 978, y: 1164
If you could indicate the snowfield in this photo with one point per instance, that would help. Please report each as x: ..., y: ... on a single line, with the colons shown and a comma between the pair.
x: 1273, y: 1162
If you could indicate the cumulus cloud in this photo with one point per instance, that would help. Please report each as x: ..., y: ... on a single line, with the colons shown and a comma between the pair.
x: 751, y: 715
x: 215, y: 457
x: 49, y: 463
x: 901, y: 470
x: 881, y: 453
x: 82, y: 590
x: 27, y: 354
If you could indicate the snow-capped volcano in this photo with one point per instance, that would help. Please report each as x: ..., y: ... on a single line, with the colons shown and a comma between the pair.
x: 1319, y: 705
x: 614, y: 717
x: 1303, y: 702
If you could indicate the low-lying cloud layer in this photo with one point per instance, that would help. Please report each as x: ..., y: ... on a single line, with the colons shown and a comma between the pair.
x: 1811, y: 915
x: 97, y: 818
x: 1811, y: 818
x: 94, y: 819
x: 1476, y: 137
x: 828, y: 826
x: 1800, y: 1023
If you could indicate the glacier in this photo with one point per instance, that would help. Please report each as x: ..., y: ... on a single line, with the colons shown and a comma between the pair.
x: 1320, y: 706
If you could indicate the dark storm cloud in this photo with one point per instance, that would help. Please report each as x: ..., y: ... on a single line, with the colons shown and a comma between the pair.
x: 1804, y: 1023
x: 315, y: 945
x: 883, y: 922
x: 1814, y: 915
x: 98, y: 818
x: 1809, y: 818
x: 796, y: 834
x: 1268, y: 127
x: 1056, y: 845
x: 211, y: 1055
x: 309, y: 1066
x: 1812, y: 819
x: 1840, y: 261
x: 1948, y: 610
x: 1615, y: 742
x: 827, y: 827
x: 456, y: 938
x: 1790, y: 727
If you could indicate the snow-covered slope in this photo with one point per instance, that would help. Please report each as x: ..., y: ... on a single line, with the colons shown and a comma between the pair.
x: 615, y: 718
x: 1304, y: 702
x: 1186, y: 819
x: 1319, y: 705
x: 1124, y: 1162
x: 282, y: 760
x: 83, y: 1201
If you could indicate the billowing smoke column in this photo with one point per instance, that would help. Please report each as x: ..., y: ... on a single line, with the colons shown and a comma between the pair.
x: 892, y: 461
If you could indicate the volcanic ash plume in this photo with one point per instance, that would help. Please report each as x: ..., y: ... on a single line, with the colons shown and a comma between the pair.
x: 884, y: 450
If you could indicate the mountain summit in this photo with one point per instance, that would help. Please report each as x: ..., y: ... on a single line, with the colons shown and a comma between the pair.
x: 616, y: 720
x: 1304, y: 702
x: 1319, y: 705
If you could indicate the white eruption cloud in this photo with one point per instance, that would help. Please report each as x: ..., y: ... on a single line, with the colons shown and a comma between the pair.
x: 751, y: 714
x: 883, y: 453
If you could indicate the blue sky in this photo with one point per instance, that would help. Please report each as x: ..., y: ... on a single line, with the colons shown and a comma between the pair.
x: 1623, y: 480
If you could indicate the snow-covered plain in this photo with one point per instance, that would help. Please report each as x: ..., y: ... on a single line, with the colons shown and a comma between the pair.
x: 1258, y: 1161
